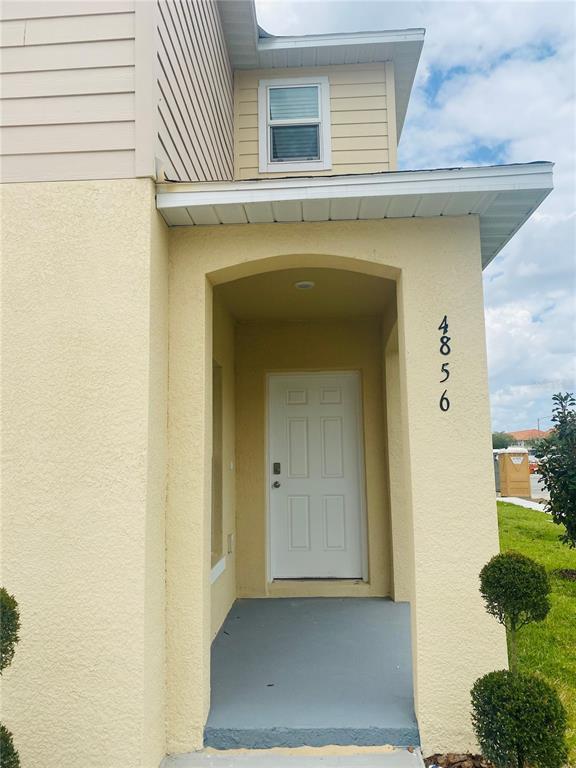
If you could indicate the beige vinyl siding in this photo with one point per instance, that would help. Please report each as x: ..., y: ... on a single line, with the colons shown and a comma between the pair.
x: 67, y: 79
x: 363, y: 126
x: 195, y: 108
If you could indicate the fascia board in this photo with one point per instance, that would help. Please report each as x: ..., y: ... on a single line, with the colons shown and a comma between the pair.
x: 484, y: 179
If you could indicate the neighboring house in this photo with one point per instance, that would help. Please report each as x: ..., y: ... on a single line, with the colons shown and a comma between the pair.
x: 526, y: 438
x: 216, y: 280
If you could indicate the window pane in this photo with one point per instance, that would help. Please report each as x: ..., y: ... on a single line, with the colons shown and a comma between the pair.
x: 295, y: 142
x: 294, y: 103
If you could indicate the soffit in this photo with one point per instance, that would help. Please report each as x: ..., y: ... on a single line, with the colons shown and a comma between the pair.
x: 504, y: 197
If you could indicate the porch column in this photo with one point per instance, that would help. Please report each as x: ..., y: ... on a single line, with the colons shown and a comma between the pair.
x: 188, y: 511
x: 450, y: 483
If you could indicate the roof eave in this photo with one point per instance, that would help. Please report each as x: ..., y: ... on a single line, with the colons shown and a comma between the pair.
x: 278, y: 42
x: 503, y: 196
x: 250, y: 47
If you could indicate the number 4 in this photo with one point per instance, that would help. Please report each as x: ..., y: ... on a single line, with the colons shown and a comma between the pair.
x: 444, y: 325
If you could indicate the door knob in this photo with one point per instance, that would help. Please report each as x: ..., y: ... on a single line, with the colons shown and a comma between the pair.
x: 276, y: 484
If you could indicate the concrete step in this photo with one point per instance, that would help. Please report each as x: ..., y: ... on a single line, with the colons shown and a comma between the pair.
x: 301, y: 757
x: 312, y: 672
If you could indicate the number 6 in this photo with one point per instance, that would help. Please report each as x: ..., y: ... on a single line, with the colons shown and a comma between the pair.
x: 444, y: 402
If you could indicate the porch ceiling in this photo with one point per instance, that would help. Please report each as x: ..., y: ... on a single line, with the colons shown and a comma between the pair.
x: 504, y: 196
x: 336, y: 293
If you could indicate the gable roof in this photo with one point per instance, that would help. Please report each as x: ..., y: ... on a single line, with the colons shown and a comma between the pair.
x: 250, y: 47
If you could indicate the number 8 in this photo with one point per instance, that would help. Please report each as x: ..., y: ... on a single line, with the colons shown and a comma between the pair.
x: 444, y: 345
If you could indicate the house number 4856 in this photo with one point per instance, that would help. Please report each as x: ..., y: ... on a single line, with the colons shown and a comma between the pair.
x: 445, y: 350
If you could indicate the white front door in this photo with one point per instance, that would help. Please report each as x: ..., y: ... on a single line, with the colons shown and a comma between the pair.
x: 316, y: 476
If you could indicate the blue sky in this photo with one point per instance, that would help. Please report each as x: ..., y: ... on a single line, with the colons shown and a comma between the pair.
x: 496, y: 84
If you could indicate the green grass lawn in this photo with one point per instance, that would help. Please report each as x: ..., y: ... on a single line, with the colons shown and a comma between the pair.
x: 550, y: 646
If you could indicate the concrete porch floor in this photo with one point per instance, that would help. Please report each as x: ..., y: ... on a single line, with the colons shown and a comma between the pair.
x: 312, y: 671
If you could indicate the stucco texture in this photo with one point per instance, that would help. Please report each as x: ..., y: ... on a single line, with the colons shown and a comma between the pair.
x: 84, y: 389
x: 443, y: 470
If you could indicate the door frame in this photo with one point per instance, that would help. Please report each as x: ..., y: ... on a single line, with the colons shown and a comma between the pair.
x: 357, y: 375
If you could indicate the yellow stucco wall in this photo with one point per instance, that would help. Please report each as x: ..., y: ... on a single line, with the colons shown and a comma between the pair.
x: 398, y: 462
x: 84, y: 333
x: 342, y: 344
x: 223, y: 590
x: 448, y: 473
x: 84, y: 317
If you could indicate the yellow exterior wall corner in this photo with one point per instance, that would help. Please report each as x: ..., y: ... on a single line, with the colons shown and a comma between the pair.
x: 84, y: 435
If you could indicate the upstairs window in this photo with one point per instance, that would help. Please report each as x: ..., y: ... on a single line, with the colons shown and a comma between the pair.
x: 294, y: 125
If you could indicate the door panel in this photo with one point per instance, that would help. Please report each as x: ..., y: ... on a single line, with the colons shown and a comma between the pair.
x: 316, y: 501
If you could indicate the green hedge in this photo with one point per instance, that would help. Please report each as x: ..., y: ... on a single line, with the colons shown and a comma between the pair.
x: 519, y: 721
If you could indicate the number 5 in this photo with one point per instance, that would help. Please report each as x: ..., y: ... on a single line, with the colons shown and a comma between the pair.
x: 446, y: 371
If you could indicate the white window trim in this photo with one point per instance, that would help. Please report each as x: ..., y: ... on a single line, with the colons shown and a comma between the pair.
x: 325, y: 161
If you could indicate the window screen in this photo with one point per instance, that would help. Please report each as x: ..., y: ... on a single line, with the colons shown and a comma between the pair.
x: 294, y: 120
x: 295, y: 142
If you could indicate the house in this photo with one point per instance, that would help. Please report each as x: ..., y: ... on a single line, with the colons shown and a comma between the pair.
x: 526, y: 438
x: 244, y: 358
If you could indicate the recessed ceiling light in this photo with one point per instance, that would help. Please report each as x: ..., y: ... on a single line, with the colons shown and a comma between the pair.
x: 304, y: 285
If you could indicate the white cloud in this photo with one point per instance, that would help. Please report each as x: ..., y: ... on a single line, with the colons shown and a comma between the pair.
x: 511, y: 84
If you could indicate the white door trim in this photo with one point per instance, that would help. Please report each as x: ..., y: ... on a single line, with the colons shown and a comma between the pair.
x: 361, y: 464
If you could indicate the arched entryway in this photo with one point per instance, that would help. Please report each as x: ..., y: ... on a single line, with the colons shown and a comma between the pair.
x: 421, y: 442
x: 322, y: 322
x: 301, y: 515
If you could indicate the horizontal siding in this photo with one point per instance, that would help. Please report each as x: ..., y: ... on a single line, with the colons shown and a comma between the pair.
x: 67, y: 166
x: 68, y: 109
x: 73, y: 29
x: 74, y: 137
x: 195, y: 110
x: 358, y: 115
x: 33, y: 9
x: 46, y: 58
x: 67, y: 83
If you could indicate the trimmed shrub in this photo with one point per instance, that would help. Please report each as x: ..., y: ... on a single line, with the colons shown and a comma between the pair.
x: 515, y: 590
x: 8, y: 754
x: 519, y: 721
x: 9, y: 626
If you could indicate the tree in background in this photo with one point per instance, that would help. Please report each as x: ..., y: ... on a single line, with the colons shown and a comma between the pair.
x: 557, y: 453
x: 501, y: 440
